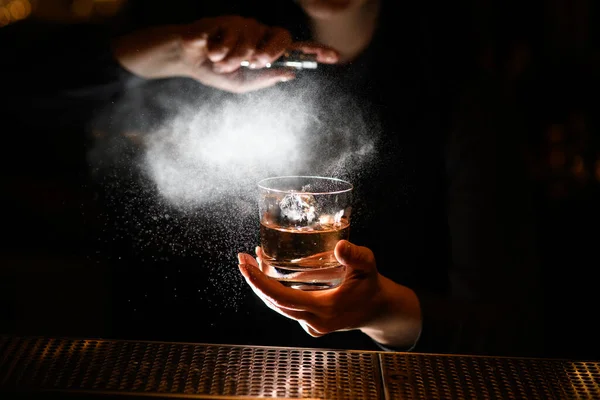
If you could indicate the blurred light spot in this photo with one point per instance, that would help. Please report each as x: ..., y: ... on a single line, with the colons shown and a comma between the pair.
x: 12, y: 11
x: 135, y: 137
x: 4, y: 16
x: 598, y: 169
x: 58, y: 10
x: 82, y: 8
x: 107, y: 8
x: 19, y: 9
x: 28, y: 7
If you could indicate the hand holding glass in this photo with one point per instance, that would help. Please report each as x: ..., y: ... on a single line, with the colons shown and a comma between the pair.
x: 301, y: 220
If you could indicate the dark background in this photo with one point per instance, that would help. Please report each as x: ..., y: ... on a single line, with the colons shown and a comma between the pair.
x: 53, y: 282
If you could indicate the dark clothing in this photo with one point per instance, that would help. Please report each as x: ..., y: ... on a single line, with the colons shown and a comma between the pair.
x: 444, y: 203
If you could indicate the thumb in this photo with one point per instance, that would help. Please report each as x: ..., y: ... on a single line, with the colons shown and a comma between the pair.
x: 355, y: 257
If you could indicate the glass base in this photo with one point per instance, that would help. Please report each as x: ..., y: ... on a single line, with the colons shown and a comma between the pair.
x: 307, y: 279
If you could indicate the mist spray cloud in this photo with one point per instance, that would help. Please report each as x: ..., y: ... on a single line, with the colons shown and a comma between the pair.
x: 212, y: 151
x: 199, y: 154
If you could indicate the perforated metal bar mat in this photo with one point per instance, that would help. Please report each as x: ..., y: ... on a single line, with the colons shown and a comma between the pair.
x: 207, y: 371
x: 419, y: 376
x: 180, y: 369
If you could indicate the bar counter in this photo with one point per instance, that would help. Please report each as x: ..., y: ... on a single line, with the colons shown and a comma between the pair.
x: 80, y: 367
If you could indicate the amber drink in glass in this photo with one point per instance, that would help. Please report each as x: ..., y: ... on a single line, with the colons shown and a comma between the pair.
x: 301, y: 220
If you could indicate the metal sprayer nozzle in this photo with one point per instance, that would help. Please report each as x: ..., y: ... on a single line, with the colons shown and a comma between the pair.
x: 292, y: 59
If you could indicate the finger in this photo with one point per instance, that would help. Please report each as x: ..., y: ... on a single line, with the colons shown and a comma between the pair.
x: 274, y: 43
x: 323, y: 54
x: 251, y: 48
x: 245, y: 258
x: 208, y: 32
x: 241, y: 80
x: 221, y: 41
x: 358, y: 258
x: 291, y: 314
x: 244, y: 48
x: 273, y: 291
x: 272, y: 307
x: 252, y: 275
x: 259, y: 254
x: 254, y: 80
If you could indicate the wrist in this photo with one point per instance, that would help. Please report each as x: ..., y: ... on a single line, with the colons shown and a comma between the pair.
x: 398, y: 316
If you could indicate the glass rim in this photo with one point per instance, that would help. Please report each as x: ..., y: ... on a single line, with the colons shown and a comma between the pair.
x: 349, y: 188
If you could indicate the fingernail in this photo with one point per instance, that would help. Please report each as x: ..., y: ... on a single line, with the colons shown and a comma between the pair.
x: 286, y: 78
